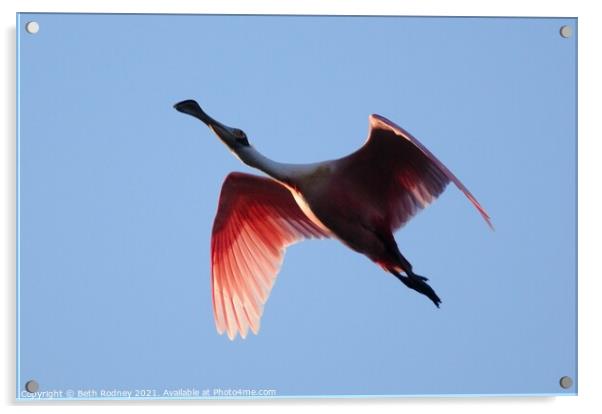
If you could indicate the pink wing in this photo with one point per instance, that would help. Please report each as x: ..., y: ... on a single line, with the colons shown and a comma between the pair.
x: 256, y: 219
x: 398, y: 174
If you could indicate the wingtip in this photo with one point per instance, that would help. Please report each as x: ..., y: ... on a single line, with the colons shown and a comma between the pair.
x: 486, y: 217
x: 484, y: 214
x: 243, y: 334
x: 256, y: 326
x: 490, y: 224
x: 232, y: 334
x: 480, y: 208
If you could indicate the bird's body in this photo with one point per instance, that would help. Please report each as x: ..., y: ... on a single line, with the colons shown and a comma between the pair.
x: 360, y: 199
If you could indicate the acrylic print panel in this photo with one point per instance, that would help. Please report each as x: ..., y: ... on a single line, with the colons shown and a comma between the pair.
x: 118, y: 192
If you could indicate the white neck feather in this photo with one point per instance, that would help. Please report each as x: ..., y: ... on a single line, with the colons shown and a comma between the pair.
x: 285, y: 173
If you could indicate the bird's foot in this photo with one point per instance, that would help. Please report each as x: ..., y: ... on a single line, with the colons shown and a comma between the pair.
x: 418, y: 283
x: 424, y: 279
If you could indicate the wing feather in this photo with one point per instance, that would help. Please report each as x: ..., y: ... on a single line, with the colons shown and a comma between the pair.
x: 398, y: 175
x: 257, y: 219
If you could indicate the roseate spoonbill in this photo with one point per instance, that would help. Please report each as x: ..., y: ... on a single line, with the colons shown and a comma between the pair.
x: 360, y: 199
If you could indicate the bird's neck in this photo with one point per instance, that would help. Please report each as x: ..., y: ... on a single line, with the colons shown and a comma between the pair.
x: 291, y: 175
x: 253, y: 158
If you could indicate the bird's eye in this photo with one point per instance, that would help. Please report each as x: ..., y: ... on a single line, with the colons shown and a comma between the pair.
x: 239, y: 133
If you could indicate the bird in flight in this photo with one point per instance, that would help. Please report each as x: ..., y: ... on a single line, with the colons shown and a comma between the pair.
x: 359, y: 199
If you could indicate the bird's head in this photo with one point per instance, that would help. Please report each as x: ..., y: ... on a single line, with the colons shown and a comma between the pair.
x: 234, y: 138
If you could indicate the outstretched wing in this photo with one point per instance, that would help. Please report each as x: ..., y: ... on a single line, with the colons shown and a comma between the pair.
x: 398, y: 174
x: 257, y: 218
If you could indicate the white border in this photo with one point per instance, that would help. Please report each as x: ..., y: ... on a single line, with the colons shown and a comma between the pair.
x: 590, y: 67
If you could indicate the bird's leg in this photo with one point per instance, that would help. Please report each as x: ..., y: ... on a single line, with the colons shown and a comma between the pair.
x: 407, y: 267
x: 417, y: 283
x: 414, y: 281
x: 424, y: 279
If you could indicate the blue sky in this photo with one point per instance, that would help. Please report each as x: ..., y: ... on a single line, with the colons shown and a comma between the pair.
x: 118, y: 193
